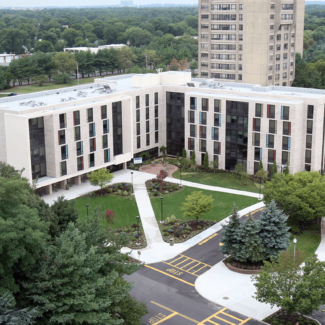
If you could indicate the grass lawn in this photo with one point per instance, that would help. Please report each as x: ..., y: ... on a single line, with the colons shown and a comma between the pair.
x: 308, y: 242
x: 219, y: 179
x: 222, y: 206
x: 125, y: 208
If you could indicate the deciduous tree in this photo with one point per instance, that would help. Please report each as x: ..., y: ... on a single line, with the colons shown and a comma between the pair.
x: 100, y: 177
x: 65, y: 62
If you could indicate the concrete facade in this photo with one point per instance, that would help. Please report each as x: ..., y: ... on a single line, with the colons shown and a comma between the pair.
x: 250, y: 41
x: 280, y: 124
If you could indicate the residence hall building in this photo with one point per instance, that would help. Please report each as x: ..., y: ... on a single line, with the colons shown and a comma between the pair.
x: 59, y: 136
x: 250, y: 41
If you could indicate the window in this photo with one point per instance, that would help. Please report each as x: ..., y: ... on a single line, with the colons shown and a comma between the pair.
x: 286, y: 17
x: 92, y: 130
x: 240, y: 67
x: 215, y: 134
x: 137, y: 114
x: 240, y: 47
x: 203, y: 118
x: 259, y: 110
x: 241, y: 7
x: 104, y: 141
x: 307, y: 168
x: 240, y: 36
x: 80, y: 163
x: 258, y: 154
x: 191, y: 117
x: 287, y: 6
x: 308, y: 156
x: 285, y: 158
x: 147, y: 113
x: 138, y: 128
x: 277, y: 67
x: 147, y: 99
x: 217, y: 105
x: 137, y: 102
x: 310, y: 112
x: 271, y: 37
x: 193, y: 130
x: 310, y: 126
x: 286, y: 36
x: 148, y: 139
x: 107, y: 155
x: 278, y: 57
x: 203, y: 145
x: 271, y: 156
x: 272, y: 16
x: 222, y: 17
x: 77, y: 136
x: 138, y: 143
x: 270, y: 77
x: 269, y: 141
x: 241, y: 16
x: 147, y: 127
x: 193, y: 103
x: 91, y: 159
x: 63, y: 120
x: 204, y: 55
x: 204, y: 16
x: 222, y: 27
x: 217, y: 119
x: 204, y: 26
x: 240, y: 77
x: 104, y: 112
x: 278, y: 47
x: 190, y: 144
x: 285, y: 75
x: 156, y: 111
x: 270, y: 111
x: 105, y: 126
x: 217, y: 148
x: 256, y: 124
x: 285, y: 56
x: 79, y: 146
x: 63, y: 168
x: 92, y: 144
x: 64, y: 152
x: 272, y: 6
x: 272, y: 126
x: 271, y: 27
x: 62, y: 137
x: 205, y: 104
x: 223, y: 7
x: 286, y: 128
x: 156, y: 137
x: 156, y: 98
x: 76, y: 118
x: 156, y: 124
x: 285, y: 66
x: 203, y: 132
x: 285, y: 112
x: 286, y: 142
x: 256, y: 139
x: 89, y: 115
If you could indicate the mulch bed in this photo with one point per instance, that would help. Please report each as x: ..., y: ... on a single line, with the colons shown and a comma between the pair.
x: 281, y: 317
x: 120, y: 189
x: 243, y: 265
x: 182, y: 230
x: 153, y: 186
x: 131, y: 232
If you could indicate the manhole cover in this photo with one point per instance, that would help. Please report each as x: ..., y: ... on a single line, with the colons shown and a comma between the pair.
x: 225, y: 298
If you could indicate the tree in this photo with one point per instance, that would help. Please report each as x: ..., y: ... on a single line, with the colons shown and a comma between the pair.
x: 215, y: 165
x: 239, y: 168
x: 249, y: 247
x: 230, y: 233
x: 137, y: 36
x: 197, y: 204
x: 65, y: 62
x: 161, y: 176
x: 43, y: 46
x: 40, y: 79
x: 152, y: 57
x: 174, y: 65
x: 70, y: 34
x: 300, y: 196
x: 286, y: 284
x: 184, y: 153
x: 274, y: 231
x: 206, y: 161
x: 125, y: 58
x: 260, y: 166
x: 7, y: 171
x: 193, y: 157
x: 274, y: 169
x: 163, y: 149
x: 100, y: 177
x: 286, y: 171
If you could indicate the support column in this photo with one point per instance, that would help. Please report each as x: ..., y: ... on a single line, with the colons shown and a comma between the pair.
x: 77, y: 180
x: 49, y: 189
x: 63, y: 184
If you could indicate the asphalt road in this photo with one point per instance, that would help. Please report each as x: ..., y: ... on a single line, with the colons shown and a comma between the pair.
x: 169, y: 292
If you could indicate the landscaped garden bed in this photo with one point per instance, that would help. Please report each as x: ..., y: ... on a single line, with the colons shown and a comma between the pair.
x: 155, y: 187
x: 281, y: 317
x: 180, y: 230
x: 133, y: 234
x: 120, y: 189
x: 242, y: 267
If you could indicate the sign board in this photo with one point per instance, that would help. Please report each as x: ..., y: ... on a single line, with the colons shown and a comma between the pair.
x: 137, y: 160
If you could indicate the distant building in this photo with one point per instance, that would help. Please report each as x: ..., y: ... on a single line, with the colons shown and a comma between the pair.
x: 127, y: 3
x: 93, y: 49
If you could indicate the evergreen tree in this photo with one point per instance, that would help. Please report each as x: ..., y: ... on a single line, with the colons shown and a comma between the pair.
x: 274, y: 169
x: 193, y: 158
x: 230, y: 233
x: 184, y: 153
x: 273, y: 230
x: 260, y: 166
x: 206, y: 161
x: 250, y: 247
x: 286, y: 171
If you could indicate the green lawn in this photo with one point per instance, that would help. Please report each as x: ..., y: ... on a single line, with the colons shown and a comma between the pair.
x: 308, y: 242
x: 222, y: 206
x: 125, y: 208
x: 219, y: 179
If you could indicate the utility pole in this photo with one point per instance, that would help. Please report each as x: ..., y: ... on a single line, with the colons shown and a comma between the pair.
x: 146, y: 55
x: 77, y: 73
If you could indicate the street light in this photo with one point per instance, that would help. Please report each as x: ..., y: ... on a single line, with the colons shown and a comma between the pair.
x: 138, y: 219
x: 87, y: 205
x: 146, y: 55
x: 260, y: 196
x: 294, y: 248
x: 161, y: 215
x: 132, y: 181
x: 180, y: 174
x: 77, y: 73
x: 128, y: 43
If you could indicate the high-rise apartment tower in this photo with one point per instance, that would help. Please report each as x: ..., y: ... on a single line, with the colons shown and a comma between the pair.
x: 250, y: 41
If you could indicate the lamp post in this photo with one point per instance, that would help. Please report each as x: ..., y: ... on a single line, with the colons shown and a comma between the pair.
x: 260, y: 196
x: 77, y: 72
x: 138, y: 219
x: 180, y: 174
x: 132, y: 182
x: 128, y: 43
x: 294, y: 248
x: 146, y: 55
x: 87, y: 206
x: 161, y: 214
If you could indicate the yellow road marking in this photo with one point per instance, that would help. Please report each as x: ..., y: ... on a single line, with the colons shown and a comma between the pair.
x: 196, y: 260
x: 226, y: 321
x: 207, y: 239
x: 174, y: 277
x: 175, y: 260
x: 182, y: 262
x: 200, y: 269
x: 209, y: 318
x: 180, y: 268
x: 236, y: 317
x: 244, y: 321
x: 220, y: 244
x: 167, y: 317
x: 187, y: 264
x: 194, y: 266
x: 255, y: 211
x: 210, y: 321
x: 173, y: 311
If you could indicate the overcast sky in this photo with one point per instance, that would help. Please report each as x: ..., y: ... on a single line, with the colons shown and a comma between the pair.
x: 64, y: 3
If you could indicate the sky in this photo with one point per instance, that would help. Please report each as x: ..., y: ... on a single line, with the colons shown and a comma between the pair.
x: 64, y: 3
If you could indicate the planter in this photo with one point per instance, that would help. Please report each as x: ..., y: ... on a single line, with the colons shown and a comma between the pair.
x: 242, y: 271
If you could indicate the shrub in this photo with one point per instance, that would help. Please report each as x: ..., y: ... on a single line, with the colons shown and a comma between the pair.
x: 187, y: 231
x: 275, y: 322
x: 123, y: 233
x: 289, y: 323
x: 181, y: 228
x: 188, y: 228
x: 282, y: 321
x: 135, y: 234
x: 177, y: 233
x: 170, y: 230
x: 134, y: 240
x: 307, y: 321
x: 110, y: 217
x: 164, y: 187
x: 115, y: 185
x: 125, y: 193
x: 172, y: 218
x: 155, y: 193
x: 199, y: 227
x: 130, y: 229
x: 150, y: 188
x: 165, y: 233
x: 166, y: 192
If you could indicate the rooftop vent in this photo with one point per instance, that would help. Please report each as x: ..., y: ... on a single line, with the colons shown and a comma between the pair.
x: 82, y: 93
x: 106, y: 89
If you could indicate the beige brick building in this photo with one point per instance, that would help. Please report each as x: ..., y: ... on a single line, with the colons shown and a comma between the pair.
x: 250, y: 41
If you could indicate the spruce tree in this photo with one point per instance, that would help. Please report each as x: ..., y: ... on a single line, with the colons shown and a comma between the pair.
x: 260, y: 166
x: 206, y: 161
x: 184, y: 153
x: 274, y: 231
x: 274, y: 169
x: 230, y: 233
x: 193, y: 158
x: 250, y: 247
